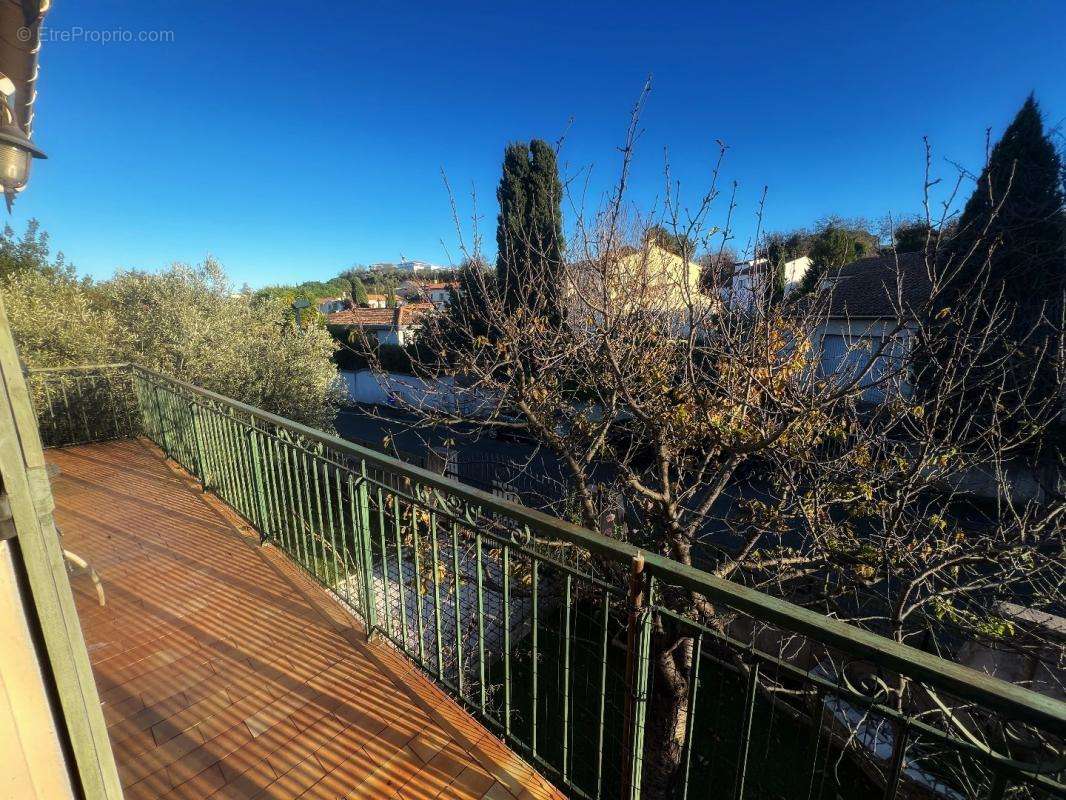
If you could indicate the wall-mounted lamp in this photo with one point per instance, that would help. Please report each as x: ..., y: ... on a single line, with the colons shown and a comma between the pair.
x: 20, y: 42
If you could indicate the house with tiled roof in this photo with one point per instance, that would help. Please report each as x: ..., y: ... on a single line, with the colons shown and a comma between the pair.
x: 388, y: 325
x: 376, y: 301
x: 870, y: 301
x: 439, y: 293
x: 330, y: 305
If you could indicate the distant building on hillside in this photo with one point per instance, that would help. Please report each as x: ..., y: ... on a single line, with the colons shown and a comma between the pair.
x: 331, y: 305
x: 439, y: 294
x: 417, y: 266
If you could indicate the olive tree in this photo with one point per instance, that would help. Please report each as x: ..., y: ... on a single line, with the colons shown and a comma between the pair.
x: 184, y: 321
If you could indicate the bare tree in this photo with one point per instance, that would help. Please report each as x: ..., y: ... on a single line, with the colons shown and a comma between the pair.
x: 711, y: 432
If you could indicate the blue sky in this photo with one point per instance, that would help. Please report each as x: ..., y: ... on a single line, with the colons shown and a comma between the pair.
x: 291, y: 140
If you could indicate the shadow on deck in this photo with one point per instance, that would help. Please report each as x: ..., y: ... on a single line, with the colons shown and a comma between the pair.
x: 225, y: 672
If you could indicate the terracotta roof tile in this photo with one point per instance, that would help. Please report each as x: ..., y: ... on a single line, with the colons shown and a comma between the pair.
x: 408, y: 314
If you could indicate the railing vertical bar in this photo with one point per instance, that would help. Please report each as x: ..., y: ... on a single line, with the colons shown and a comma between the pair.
x: 246, y: 481
x: 69, y: 417
x: 420, y: 622
x: 506, y: 557
x: 232, y: 455
x: 899, y: 754
x: 816, y: 740
x: 690, y: 717
x: 384, y: 563
x: 299, y: 519
x: 270, y: 466
x: 750, y: 695
x: 999, y: 787
x: 314, y: 501
x: 159, y: 415
x: 567, y: 612
x: 239, y: 436
x: 266, y: 527
x: 534, y: 613
x: 46, y: 421
x: 369, y: 590
x: 327, y: 487
x: 222, y: 490
x: 211, y: 456
x: 480, y: 623
x: 435, y: 550
x: 458, y: 608
x: 277, y: 493
x: 401, y: 580
x: 635, y: 679
x: 89, y: 435
x: 289, y: 454
x: 338, y: 492
x: 201, y: 456
x: 117, y: 430
x: 604, y: 642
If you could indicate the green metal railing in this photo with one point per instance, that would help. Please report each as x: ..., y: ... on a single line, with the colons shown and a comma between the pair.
x: 554, y: 636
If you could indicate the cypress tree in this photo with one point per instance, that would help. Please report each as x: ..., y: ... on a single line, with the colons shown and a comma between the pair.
x: 1011, y: 242
x: 546, y: 224
x: 512, y: 250
x: 529, y: 239
x: 358, y: 293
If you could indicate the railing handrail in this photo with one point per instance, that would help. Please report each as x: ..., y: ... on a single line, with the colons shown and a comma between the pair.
x: 961, y: 681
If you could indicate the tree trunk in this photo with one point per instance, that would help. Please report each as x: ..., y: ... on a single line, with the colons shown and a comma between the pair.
x: 667, y: 715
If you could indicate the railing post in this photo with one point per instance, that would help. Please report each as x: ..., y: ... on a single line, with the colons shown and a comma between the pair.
x: 636, y: 700
x: 258, y: 484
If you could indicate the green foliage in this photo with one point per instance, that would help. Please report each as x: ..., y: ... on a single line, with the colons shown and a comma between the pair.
x: 184, y: 321
x: 779, y: 280
x: 789, y: 246
x: 833, y: 245
x: 529, y: 234
x: 59, y: 321
x: 1011, y: 242
x: 467, y: 308
x: 384, y: 279
x: 29, y: 253
x: 912, y: 236
x: 283, y: 299
x: 357, y: 292
x: 312, y: 290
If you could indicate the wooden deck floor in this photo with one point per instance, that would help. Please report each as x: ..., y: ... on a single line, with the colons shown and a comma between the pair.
x: 225, y: 672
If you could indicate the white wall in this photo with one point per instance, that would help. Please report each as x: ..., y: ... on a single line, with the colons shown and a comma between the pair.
x: 35, y: 766
x: 746, y: 289
x: 396, y: 390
